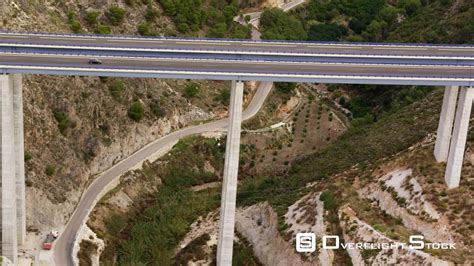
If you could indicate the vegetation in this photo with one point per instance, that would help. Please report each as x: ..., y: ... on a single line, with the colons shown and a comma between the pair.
x: 151, y: 14
x: 149, y: 234
x: 73, y: 23
x: 285, y: 87
x: 214, y: 17
x: 145, y: 29
x: 191, y: 90
x: 156, y: 109
x: 50, y: 170
x: 365, y: 144
x: 28, y: 156
x: 116, y: 15
x: 326, y: 32
x: 102, y: 29
x: 224, y: 96
x: 328, y: 199
x: 91, y: 17
x: 278, y: 25
x: 136, y: 111
x: 116, y: 89
x: 62, y: 119
x: 243, y: 254
x: 373, y: 20
x: 29, y: 183
x: 371, y: 101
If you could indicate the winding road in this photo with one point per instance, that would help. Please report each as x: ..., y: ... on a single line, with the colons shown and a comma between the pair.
x: 64, y: 246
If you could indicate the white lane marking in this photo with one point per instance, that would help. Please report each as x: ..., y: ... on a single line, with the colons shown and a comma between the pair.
x: 68, y: 39
x: 13, y: 36
x: 206, y: 43
x: 269, y: 45
x: 334, y: 47
x: 457, y: 50
x: 146, y: 41
x: 400, y: 48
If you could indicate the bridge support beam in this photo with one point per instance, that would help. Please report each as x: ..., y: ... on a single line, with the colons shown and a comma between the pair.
x: 16, y: 80
x: 445, y: 126
x: 8, y: 165
x: 459, y: 137
x: 229, y: 184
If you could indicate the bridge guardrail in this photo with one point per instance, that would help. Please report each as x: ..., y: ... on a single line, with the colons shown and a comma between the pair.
x: 234, y: 40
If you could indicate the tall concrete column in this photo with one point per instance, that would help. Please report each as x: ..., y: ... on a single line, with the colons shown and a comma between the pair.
x: 458, y: 140
x: 9, y: 224
x: 445, y: 126
x: 229, y: 184
x: 16, y: 80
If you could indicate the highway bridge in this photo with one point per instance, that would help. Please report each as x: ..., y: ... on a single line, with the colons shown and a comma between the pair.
x: 362, y: 63
x: 451, y: 66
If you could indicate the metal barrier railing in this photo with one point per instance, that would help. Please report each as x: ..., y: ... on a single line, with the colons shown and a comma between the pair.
x: 112, y: 36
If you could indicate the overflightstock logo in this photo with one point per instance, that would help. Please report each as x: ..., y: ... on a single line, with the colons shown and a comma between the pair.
x: 305, y: 242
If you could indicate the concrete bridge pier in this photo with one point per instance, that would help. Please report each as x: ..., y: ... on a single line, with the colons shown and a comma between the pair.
x: 451, y: 138
x: 445, y: 126
x: 9, y: 215
x: 16, y: 80
x: 12, y: 165
x: 459, y: 137
x: 229, y: 184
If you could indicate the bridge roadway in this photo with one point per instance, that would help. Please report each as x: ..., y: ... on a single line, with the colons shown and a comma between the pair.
x: 104, y: 42
x: 237, y: 59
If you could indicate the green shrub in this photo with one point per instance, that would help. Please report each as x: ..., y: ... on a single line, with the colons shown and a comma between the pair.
x: 74, y: 25
x: 116, y: 89
x: 144, y: 30
x: 28, y: 156
x: 328, y: 199
x: 157, y: 110
x: 136, y: 111
x: 62, y: 119
x: 357, y: 26
x: 224, y: 96
x: 285, y: 87
x: 102, y: 29
x: 191, y: 90
x: 28, y: 183
x: 410, y: 6
x: 326, y: 32
x: 130, y: 2
x: 91, y: 17
x: 50, y: 170
x: 278, y: 25
x: 151, y: 14
x: 115, y: 14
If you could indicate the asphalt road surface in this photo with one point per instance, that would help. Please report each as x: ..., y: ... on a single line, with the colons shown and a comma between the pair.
x: 230, y: 66
x: 64, y: 246
x: 227, y: 46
